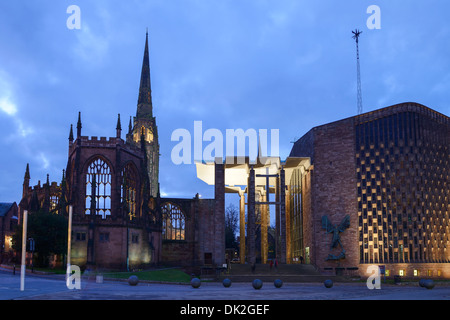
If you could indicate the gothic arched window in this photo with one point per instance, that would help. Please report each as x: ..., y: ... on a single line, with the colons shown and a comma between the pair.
x: 173, y: 222
x: 128, y: 190
x: 98, y: 188
x: 54, y: 201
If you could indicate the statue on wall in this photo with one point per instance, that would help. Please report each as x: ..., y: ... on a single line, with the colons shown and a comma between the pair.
x: 336, y: 239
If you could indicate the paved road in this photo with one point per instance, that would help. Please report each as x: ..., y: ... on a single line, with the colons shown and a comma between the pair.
x: 54, y: 288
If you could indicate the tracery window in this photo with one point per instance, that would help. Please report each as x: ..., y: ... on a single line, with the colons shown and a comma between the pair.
x: 146, y: 132
x: 128, y: 190
x: 54, y: 200
x: 98, y: 188
x: 173, y: 222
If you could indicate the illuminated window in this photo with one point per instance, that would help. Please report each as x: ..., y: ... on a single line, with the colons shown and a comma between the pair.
x: 98, y: 188
x: 296, y: 217
x: 401, y: 272
x: 148, y: 134
x: 8, y: 243
x: 173, y: 222
x: 128, y: 190
x: 54, y: 199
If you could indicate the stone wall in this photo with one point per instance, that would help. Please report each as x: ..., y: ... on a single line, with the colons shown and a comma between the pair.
x: 334, y: 192
x: 200, y: 236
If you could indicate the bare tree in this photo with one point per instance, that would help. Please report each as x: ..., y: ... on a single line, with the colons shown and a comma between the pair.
x: 231, y: 226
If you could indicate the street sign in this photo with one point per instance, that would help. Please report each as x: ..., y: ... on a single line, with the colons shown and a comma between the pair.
x: 382, y: 269
x: 31, y: 244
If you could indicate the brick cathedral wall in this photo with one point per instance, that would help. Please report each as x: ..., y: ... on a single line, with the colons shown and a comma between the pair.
x: 200, y: 236
x: 334, y: 193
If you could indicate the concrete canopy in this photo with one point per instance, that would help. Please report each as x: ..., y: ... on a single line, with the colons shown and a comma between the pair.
x: 237, y: 171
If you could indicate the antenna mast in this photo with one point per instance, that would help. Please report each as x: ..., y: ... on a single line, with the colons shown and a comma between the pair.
x: 356, y: 35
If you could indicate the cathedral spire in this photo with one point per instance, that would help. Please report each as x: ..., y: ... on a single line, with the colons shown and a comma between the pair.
x: 26, y: 180
x: 27, y: 172
x: 144, y: 109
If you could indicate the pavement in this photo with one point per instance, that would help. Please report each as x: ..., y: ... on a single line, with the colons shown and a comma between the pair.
x: 48, y: 287
x: 212, y: 299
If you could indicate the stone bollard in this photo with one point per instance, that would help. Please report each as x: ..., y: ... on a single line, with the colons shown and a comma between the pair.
x: 429, y: 284
x: 226, y: 283
x: 195, y: 283
x: 328, y: 283
x: 99, y: 278
x: 422, y: 282
x: 278, y: 283
x: 257, y: 284
x: 133, y: 280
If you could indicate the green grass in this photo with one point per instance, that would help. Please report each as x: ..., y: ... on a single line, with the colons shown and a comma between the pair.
x: 166, y: 275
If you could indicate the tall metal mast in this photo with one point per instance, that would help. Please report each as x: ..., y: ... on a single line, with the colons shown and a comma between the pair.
x: 356, y: 35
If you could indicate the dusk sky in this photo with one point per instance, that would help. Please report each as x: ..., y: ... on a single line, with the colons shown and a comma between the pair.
x: 261, y: 64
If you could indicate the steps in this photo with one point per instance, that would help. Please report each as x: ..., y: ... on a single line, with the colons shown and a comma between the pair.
x: 285, y: 272
x: 264, y: 269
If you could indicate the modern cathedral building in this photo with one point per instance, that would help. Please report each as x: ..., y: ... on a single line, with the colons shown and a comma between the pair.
x: 372, y: 189
x: 382, y: 181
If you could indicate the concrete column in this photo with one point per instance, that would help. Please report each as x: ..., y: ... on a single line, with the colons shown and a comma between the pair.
x: 282, y: 217
x: 277, y: 219
x: 219, y: 215
x: 264, y: 222
x: 242, y: 227
x: 288, y: 228
x: 251, y: 217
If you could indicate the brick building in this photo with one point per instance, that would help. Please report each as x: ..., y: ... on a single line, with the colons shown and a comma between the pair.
x: 8, y: 223
x: 119, y: 220
x: 382, y: 177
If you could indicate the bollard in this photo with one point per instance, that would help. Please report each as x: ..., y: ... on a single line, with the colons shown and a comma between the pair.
x: 328, y: 283
x: 429, y: 284
x: 257, y: 284
x: 133, y: 280
x: 422, y: 282
x: 99, y: 278
x: 278, y: 283
x: 226, y: 283
x: 195, y: 283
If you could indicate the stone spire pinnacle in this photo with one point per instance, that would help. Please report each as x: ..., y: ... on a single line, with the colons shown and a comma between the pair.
x: 71, y: 133
x: 79, y: 125
x: 144, y: 109
x: 27, y: 172
x: 130, y: 128
x: 118, y: 127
